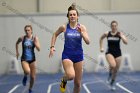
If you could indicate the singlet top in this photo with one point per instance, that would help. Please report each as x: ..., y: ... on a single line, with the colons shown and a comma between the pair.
x: 113, y: 41
x: 28, y: 49
x: 73, y: 41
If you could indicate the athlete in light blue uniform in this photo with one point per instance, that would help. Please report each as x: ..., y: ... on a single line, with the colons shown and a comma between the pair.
x: 28, y: 50
x: 72, y: 56
x: 29, y: 42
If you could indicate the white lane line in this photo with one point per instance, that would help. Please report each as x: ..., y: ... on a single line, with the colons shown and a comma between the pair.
x: 14, y: 88
x: 120, y: 86
x: 124, y: 88
x: 50, y: 86
x: 85, y: 85
x: 86, y: 88
x: 129, y: 79
x: 56, y: 83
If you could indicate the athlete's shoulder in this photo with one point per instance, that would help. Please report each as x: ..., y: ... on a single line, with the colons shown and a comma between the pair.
x: 63, y: 27
x: 22, y: 37
x: 106, y: 33
x: 82, y: 27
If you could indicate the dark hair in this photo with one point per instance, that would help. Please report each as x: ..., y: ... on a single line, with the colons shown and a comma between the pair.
x: 72, y: 7
x: 113, y: 22
x: 28, y: 26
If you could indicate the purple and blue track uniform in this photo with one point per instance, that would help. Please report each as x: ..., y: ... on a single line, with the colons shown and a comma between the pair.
x: 73, y: 45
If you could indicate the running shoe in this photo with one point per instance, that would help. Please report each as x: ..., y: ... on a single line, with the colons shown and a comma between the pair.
x: 63, y: 85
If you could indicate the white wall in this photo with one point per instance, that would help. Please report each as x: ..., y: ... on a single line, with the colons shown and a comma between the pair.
x: 127, y: 5
x: 11, y: 27
x: 24, y: 6
x: 61, y: 6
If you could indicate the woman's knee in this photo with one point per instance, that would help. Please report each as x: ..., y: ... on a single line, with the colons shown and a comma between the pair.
x: 27, y: 72
x: 71, y: 76
x: 113, y: 65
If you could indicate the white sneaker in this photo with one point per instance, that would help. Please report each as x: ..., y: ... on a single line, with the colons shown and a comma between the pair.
x: 113, y: 88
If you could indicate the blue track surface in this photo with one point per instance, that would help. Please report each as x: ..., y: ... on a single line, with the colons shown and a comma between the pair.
x: 91, y: 83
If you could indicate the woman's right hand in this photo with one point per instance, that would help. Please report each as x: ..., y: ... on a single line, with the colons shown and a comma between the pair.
x: 52, y: 50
